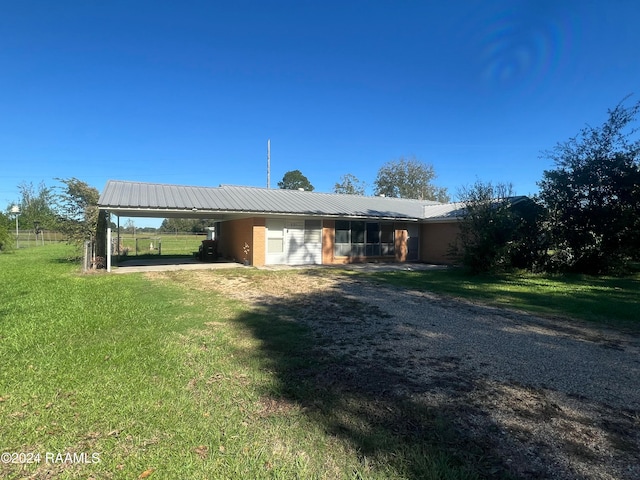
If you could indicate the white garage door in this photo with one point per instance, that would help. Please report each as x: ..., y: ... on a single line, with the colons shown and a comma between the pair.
x: 293, y: 242
x: 303, y: 242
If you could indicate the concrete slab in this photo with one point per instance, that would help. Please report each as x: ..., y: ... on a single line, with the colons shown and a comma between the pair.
x: 165, y: 264
x: 364, y: 266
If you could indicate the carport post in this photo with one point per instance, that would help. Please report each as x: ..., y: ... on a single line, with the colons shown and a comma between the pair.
x: 108, y: 249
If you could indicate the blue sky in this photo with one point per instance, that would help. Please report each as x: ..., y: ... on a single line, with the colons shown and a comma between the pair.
x: 189, y: 92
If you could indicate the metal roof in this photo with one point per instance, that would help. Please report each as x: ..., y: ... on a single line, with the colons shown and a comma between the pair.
x: 162, y: 200
x: 443, y: 211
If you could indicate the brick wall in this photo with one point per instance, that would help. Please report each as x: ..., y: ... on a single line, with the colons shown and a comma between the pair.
x: 435, y: 239
x: 248, y: 234
x: 259, y: 248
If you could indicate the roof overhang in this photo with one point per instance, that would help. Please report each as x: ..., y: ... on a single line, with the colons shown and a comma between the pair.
x: 219, y: 215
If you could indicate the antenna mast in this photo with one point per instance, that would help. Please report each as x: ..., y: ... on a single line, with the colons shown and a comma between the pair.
x: 269, y: 163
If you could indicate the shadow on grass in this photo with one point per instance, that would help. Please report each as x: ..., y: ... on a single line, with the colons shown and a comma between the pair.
x: 369, y: 404
x: 69, y: 259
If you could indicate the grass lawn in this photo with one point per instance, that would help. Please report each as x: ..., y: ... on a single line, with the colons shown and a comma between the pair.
x: 150, y: 377
x: 163, y: 243
x: 141, y: 378
x: 609, y: 301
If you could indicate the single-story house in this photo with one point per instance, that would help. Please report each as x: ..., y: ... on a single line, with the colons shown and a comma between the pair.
x: 263, y: 226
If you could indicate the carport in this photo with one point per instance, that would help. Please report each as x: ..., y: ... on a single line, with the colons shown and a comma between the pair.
x: 145, y: 200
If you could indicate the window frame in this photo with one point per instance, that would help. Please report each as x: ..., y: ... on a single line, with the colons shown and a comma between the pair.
x: 371, y: 235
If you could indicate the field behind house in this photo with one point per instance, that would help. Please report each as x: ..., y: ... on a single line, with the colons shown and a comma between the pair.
x: 166, y: 244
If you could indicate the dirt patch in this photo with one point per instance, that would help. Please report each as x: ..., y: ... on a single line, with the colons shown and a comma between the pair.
x: 543, y: 396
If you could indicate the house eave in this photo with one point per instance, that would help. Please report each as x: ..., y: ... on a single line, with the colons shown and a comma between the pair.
x: 130, y: 211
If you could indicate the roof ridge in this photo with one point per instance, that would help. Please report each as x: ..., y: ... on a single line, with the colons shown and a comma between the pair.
x: 429, y: 202
x: 159, y: 184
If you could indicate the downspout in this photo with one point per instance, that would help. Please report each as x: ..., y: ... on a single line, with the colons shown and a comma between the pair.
x: 108, y: 249
x: 118, y: 258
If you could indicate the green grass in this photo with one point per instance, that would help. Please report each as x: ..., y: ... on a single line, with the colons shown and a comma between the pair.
x: 153, y: 374
x: 609, y: 301
x: 165, y: 243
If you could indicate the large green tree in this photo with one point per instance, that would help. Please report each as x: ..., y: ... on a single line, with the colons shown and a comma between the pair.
x: 498, y: 231
x: 349, y: 184
x: 37, y: 206
x: 593, y: 196
x: 409, y: 178
x: 77, y: 209
x: 294, y: 180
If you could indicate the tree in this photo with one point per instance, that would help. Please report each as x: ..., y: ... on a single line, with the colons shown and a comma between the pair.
x: 36, y: 206
x: 77, y: 209
x: 409, y: 178
x: 593, y: 196
x: 498, y: 231
x: 129, y: 227
x: 5, y: 233
x: 294, y: 180
x: 350, y: 185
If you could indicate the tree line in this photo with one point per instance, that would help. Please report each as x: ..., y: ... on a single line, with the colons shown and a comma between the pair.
x: 71, y: 207
x: 400, y: 178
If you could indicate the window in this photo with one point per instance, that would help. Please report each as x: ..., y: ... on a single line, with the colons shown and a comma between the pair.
x: 275, y: 238
x: 357, y: 239
x: 275, y: 245
x: 387, y: 242
x: 343, y: 238
x: 373, y: 240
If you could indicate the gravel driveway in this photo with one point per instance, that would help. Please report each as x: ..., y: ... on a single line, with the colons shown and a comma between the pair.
x: 562, y: 399
x: 554, y: 398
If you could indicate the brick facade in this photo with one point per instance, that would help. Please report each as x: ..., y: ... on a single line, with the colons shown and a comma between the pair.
x: 435, y: 241
x: 243, y: 240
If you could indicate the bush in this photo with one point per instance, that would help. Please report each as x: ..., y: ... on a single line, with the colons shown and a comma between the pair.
x: 498, y: 232
x: 593, y: 197
x: 6, y: 238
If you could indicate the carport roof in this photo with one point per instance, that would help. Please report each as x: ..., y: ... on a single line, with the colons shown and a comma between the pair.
x: 137, y: 199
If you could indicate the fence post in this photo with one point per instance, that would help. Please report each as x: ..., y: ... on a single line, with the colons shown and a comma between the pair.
x: 85, y: 259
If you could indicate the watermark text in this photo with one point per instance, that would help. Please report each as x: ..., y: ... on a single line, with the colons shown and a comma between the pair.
x: 50, y: 457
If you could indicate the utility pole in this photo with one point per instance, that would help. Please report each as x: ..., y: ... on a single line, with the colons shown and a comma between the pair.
x: 269, y: 163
